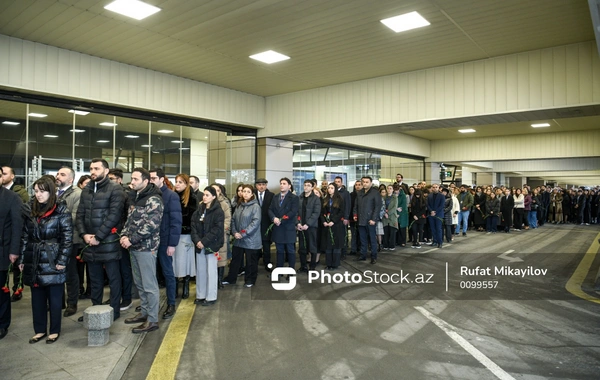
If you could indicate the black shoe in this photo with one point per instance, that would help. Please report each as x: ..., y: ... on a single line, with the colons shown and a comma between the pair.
x: 70, y: 310
x: 125, y: 305
x: 137, y: 319
x: 145, y: 327
x: 186, y: 288
x: 208, y: 303
x: 3, y: 333
x: 107, y: 302
x: 170, y: 312
x: 52, y: 340
x: 242, y: 272
x: 199, y: 301
x: 16, y: 297
x: 440, y: 245
x: 464, y: 234
x: 361, y: 259
x: 373, y: 261
x: 35, y: 340
x: 138, y: 309
x: 84, y: 296
x: 303, y: 269
x: 80, y: 319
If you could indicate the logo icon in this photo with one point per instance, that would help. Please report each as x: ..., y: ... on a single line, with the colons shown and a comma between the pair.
x: 279, y: 272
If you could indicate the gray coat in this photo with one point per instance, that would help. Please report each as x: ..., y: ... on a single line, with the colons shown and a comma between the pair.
x: 368, y: 207
x: 72, y: 196
x: 247, y: 218
x: 313, y: 210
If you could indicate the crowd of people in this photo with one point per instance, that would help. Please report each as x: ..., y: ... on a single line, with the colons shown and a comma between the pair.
x: 72, y: 239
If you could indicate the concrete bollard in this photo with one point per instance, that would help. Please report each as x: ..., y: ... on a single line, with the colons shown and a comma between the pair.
x: 98, y: 319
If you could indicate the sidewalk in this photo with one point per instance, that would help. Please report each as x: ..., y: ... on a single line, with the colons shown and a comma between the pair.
x: 70, y: 357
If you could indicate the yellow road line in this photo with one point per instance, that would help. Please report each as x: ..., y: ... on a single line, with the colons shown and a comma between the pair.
x: 574, y: 284
x: 166, y: 361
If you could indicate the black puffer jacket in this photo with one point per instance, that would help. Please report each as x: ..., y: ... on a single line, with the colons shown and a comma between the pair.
x: 209, y: 227
x: 98, y: 214
x: 45, y: 243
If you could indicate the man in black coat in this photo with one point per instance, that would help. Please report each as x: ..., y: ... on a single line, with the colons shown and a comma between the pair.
x: 339, y: 184
x: 264, y: 198
x: 366, y: 213
x: 99, y: 218
x: 309, y: 211
x: 11, y: 224
x: 283, y: 213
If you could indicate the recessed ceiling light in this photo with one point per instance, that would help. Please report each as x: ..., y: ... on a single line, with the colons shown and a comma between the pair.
x: 103, y: 141
x: 33, y: 114
x: 177, y: 141
x: 107, y: 124
x: 467, y: 130
x: 51, y: 136
x: 146, y: 146
x: 10, y: 123
x: 164, y: 131
x: 405, y: 22
x: 205, y: 137
x: 77, y: 130
x: 132, y: 136
x: 132, y: 8
x: 540, y: 125
x: 155, y: 152
x: 76, y: 112
x: 269, y: 57
x: 299, y: 144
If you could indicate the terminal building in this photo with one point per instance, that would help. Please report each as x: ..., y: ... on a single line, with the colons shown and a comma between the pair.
x: 476, y: 93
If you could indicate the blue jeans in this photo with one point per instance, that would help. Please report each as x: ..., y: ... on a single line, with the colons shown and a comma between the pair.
x: 166, y: 264
x: 367, y: 234
x: 463, y: 216
x: 492, y: 223
x: 282, y: 248
x: 532, y: 219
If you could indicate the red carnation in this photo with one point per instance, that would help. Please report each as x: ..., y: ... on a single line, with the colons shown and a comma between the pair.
x: 299, y: 218
x: 114, y: 230
x: 285, y: 217
x: 243, y: 231
x: 36, y: 285
x: 5, y: 289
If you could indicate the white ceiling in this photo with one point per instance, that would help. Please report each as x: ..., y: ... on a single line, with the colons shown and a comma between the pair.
x: 329, y: 41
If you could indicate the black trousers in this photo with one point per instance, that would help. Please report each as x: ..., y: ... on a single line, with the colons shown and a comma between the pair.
x: 126, y: 276
x: 72, y: 277
x: 307, y: 242
x: 4, y: 302
x: 46, y: 299
x: 401, y: 236
x: 448, y: 232
x: 83, y: 272
x: 518, y: 219
x: 266, y: 252
x: 113, y: 271
x: 417, y: 232
x: 237, y: 260
x: 389, y: 237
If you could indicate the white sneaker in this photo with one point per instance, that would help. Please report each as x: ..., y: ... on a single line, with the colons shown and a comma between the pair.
x: 248, y: 285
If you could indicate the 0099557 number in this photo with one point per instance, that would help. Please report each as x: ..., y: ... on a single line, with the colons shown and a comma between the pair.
x: 478, y: 284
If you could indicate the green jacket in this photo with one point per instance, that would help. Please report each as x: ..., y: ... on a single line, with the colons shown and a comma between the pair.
x: 390, y: 204
x: 21, y: 192
x: 402, y: 215
x: 466, y: 201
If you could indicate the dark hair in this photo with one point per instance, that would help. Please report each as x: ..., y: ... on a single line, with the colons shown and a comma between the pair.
x: 251, y: 189
x: 196, y: 178
x: 401, y: 176
x: 82, y: 179
x: 367, y: 177
x: 9, y: 168
x: 314, y: 182
x: 336, y: 197
x: 213, y: 192
x: 45, y: 183
x: 102, y: 160
x: 286, y: 179
x: 221, y: 187
x: 309, y: 181
x: 340, y: 178
x: 145, y: 173
x: 420, y: 199
x: 117, y: 172
x: 159, y: 172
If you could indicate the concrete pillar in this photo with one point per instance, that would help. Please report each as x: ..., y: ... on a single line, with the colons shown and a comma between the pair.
x: 275, y: 160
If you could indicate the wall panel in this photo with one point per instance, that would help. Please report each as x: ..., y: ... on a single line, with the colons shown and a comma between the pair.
x: 61, y: 72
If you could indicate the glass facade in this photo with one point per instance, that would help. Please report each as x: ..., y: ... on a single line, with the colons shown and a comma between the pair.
x: 39, y: 139
x: 323, y: 162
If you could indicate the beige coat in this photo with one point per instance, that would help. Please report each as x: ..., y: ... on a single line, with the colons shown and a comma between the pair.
x: 225, y: 205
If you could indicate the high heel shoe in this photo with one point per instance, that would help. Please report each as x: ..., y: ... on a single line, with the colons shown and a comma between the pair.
x: 52, y: 340
x: 36, y: 339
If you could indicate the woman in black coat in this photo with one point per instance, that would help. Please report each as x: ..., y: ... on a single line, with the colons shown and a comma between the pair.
x: 507, y: 203
x: 479, y: 209
x: 208, y: 228
x: 418, y: 216
x: 333, y: 233
x: 46, y: 247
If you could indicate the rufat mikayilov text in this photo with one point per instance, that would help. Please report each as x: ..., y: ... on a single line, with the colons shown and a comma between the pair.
x: 370, y: 277
x: 503, y: 270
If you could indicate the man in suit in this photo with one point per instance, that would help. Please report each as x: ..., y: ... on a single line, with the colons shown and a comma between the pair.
x: 283, y: 213
x: 11, y: 226
x: 580, y: 206
x: 339, y: 184
x: 264, y: 198
x: 8, y: 180
x: 400, y: 182
x: 71, y: 195
x: 435, y: 205
x: 366, y: 214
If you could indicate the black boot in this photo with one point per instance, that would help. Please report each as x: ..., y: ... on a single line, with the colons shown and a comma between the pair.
x: 186, y: 288
x: 220, y: 273
x: 177, y: 282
